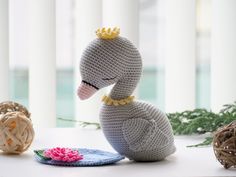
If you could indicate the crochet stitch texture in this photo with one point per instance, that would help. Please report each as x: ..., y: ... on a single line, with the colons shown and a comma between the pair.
x: 137, y: 130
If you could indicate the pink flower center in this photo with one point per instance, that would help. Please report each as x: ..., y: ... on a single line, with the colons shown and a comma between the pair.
x: 63, y: 154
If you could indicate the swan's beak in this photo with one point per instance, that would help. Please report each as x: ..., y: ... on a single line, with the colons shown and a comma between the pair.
x: 85, y: 91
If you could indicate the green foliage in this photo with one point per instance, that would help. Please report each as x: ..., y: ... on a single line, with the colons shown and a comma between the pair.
x: 85, y: 124
x: 40, y: 153
x: 82, y: 123
x: 200, y: 121
x: 206, y: 142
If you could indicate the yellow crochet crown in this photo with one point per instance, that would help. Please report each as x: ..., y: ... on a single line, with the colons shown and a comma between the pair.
x: 108, y: 33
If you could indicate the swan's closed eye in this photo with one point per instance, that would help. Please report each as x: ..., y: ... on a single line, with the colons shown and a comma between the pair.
x: 107, y: 79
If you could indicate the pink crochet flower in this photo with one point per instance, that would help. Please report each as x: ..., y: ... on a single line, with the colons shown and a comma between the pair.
x: 63, y: 154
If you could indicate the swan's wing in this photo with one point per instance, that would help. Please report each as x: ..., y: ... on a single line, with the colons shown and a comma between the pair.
x: 143, y: 134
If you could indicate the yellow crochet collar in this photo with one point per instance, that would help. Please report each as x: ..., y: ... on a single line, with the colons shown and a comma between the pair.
x: 111, y: 102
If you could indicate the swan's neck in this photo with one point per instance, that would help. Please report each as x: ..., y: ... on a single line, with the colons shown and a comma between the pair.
x: 124, y: 88
x: 127, y: 84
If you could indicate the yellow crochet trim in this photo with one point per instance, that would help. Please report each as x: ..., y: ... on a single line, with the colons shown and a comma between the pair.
x: 109, y: 101
x: 108, y: 33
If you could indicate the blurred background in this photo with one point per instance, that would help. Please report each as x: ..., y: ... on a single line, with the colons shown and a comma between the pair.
x: 154, y: 22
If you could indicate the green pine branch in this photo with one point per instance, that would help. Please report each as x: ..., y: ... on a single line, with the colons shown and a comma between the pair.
x: 82, y: 123
x: 200, y: 121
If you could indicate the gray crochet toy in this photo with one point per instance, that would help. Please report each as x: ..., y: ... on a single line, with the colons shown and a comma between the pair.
x: 135, y: 129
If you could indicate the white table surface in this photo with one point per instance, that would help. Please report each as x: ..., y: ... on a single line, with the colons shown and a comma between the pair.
x: 185, y: 162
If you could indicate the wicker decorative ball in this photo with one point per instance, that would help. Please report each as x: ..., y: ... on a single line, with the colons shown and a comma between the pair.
x: 224, y: 145
x: 16, y: 129
x: 9, y: 106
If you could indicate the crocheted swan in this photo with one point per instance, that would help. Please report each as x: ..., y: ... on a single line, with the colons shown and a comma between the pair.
x: 135, y: 129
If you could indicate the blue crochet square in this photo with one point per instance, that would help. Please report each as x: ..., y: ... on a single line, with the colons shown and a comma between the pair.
x: 91, y: 157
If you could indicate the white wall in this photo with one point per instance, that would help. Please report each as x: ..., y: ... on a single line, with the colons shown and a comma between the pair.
x: 19, y: 26
x: 66, y: 33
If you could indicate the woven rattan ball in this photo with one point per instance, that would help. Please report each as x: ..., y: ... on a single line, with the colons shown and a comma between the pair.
x: 16, y: 132
x: 224, y: 145
x: 9, y: 106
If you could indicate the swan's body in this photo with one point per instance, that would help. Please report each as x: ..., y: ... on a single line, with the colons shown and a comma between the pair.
x: 137, y: 130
